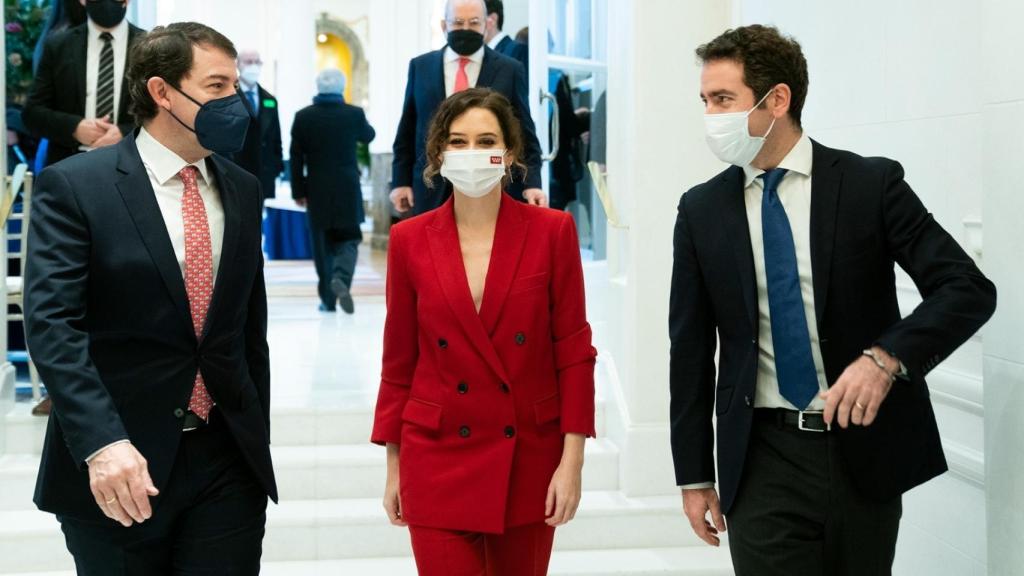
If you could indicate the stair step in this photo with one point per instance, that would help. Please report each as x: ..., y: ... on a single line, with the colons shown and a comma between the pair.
x: 311, y: 472
x: 685, y: 561
x: 357, y: 528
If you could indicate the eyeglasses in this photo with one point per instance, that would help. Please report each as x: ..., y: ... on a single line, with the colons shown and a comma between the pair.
x: 460, y: 24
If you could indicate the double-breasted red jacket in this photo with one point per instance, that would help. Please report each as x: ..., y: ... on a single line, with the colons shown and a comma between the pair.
x: 480, y: 402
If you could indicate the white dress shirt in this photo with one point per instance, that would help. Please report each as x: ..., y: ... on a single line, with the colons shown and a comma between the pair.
x: 451, y: 68
x: 92, y: 65
x: 493, y: 44
x: 162, y: 166
x: 795, y: 194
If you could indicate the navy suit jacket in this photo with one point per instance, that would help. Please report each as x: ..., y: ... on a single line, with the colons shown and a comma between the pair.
x: 865, y: 219
x: 513, y: 49
x: 424, y: 92
x: 107, y: 319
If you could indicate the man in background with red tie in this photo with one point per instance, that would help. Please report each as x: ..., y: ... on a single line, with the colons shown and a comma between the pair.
x: 146, y: 315
x: 464, y: 63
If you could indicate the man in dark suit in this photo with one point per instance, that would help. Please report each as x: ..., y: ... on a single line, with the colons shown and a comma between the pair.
x: 787, y: 259
x: 325, y: 179
x: 146, y: 315
x: 498, y: 40
x: 79, y: 98
x: 464, y: 63
x: 261, y: 155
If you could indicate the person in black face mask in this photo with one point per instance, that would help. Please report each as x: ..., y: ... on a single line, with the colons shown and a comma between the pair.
x: 157, y: 455
x: 93, y: 57
x: 466, y: 63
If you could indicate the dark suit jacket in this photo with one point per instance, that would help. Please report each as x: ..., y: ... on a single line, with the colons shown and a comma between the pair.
x: 57, y: 102
x: 480, y: 401
x: 323, y: 164
x: 515, y: 50
x: 108, y: 322
x: 261, y: 155
x: 864, y: 219
x: 424, y: 92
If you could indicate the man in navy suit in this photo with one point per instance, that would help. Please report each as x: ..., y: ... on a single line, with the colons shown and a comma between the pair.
x: 498, y: 40
x: 146, y: 315
x: 464, y: 63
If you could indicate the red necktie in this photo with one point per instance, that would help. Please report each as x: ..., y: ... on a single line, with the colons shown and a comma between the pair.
x: 461, y: 80
x: 198, y: 274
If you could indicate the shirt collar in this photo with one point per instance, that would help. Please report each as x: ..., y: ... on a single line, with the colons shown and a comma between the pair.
x: 493, y: 44
x: 453, y: 56
x: 162, y: 161
x: 798, y: 160
x: 119, y: 32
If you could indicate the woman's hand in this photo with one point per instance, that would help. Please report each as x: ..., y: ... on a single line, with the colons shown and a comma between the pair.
x: 392, y: 498
x: 566, y: 484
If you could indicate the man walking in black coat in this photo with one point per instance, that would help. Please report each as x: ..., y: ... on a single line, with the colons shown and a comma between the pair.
x: 786, y: 260
x: 146, y: 315
x: 325, y: 179
x: 79, y: 99
x: 261, y: 154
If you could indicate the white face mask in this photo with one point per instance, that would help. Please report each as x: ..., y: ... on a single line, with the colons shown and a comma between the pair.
x: 250, y: 74
x: 474, y: 173
x: 729, y: 137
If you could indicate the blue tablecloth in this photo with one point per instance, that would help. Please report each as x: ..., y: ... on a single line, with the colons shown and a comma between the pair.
x: 286, y: 235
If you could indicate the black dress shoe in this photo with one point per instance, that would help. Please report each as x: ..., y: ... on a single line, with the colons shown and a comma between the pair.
x: 343, y: 295
x: 326, y: 308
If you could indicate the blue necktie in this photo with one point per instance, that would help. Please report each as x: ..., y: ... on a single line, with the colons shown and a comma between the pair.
x: 794, y: 365
x: 255, y: 102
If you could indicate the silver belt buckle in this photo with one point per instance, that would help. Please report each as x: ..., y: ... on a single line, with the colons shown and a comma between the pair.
x: 802, y: 426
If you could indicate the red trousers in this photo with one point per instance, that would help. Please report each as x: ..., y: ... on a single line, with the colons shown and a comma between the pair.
x: 520, y: 551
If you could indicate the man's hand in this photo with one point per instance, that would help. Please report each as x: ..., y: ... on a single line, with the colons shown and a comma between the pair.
x: 535, y: 197
x: 300, y: 202
x: 697, y: 503
x: 401, y: 197
x: 90, y: 130
x: 120, y: 483
x: 111, y: 136
x: 859, y: 392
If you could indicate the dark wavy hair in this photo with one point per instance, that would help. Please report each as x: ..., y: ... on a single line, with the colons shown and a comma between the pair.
x: 458, y: 104
x: 768, y: 59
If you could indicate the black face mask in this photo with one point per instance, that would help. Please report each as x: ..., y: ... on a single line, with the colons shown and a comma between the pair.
x: 465, y: 42
x: 106, y: 13
x: 221, y: 124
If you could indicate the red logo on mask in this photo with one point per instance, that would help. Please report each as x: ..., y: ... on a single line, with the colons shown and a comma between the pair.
x: 495, y: 159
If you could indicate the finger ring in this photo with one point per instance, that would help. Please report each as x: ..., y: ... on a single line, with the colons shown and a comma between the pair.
x: 859, y: 405
x: 112, y: 500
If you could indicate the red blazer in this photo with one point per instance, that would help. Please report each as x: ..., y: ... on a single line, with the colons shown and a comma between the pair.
x: 480, y: 402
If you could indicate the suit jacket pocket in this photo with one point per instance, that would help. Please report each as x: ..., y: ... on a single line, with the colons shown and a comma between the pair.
x: 423, y: 413
x: 548, y: 410
x: 531, y: 282
x: 723, y: 399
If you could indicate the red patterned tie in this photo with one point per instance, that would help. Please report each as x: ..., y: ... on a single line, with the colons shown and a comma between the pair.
x: 198, y: 274
x: 461, y: 79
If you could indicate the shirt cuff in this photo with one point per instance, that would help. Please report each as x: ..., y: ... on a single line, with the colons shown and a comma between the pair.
x: 698, y: 486
x: 96, y: 453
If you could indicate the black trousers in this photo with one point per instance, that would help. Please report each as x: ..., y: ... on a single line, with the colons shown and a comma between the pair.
x: 797, y: 514
x: 334, y: 256
x: 209, y: 521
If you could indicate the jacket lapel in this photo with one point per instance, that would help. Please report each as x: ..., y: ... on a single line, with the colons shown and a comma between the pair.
x: 229, y: 200
x: 509, y: 240
x: 137, y: 193
x: 488, y: 70
x: 737, y: 233
x: 443, y: 238
x: 825, y: 183
x: 436, y: 88
x: 81, y: 44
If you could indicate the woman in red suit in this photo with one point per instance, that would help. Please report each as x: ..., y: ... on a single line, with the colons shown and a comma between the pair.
x: 487, y: 387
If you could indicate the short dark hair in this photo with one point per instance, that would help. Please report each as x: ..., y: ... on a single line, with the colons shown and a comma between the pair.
x: 166, y: 52
x: 458, y: 104
x: 496, y: 7
x: 768, y: 58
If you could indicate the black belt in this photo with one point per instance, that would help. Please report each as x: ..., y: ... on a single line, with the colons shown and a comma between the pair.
x: 192, y: 422
x: 803, y: 421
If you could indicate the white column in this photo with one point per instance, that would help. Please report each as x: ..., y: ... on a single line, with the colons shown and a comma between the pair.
x: 656, y: 151
x: 1003, y: 112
